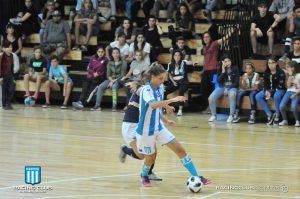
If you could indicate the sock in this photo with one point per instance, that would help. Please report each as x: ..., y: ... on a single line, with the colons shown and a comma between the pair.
x: 189, y: 165
x: 130, y: 152
x: 27, y: 93
x: 35, y: 95
x: 151, y: 168
x: 114, y: 96
x: 145, y: 170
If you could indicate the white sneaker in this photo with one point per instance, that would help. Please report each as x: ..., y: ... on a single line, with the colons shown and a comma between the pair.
x: 179, y: 113
x: 283, y: 123
x: 297, y: 124
x: 212, y: 118
x: 230, y: 118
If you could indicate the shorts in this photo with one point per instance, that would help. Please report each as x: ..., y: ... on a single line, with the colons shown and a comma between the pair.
x: 146, y: 144
x: 129, y: 132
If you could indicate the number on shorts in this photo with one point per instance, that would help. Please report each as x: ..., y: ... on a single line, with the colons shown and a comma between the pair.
x: 147, y: 149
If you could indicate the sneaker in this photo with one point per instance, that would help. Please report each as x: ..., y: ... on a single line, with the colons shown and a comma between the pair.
x: 76, y: 47
x: 114, y: 108
x: 271, y: 119
x: 283, y: 123
x: 47, y: 105
x: 83, y: 48
x: 179, y: 113
x: 154, y: 177
x: 235, y: 119
x: 145, y: 181
x: 212, y: 118
x: 78, y: 105
x: 205, y: 181
x: 7, y: 107
x: 64, y: 106
x: 297, y: 124
x: 96, y: 108
x: 27, y: 94
x: 122, y: 155
x: 276, y: 121
x: 284, y: 57
x: 230, y: 119
x: 252, y: 119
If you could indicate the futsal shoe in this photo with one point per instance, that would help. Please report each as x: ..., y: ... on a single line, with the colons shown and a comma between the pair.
x: 271, y: 119
x: 212, y: 118
x: 297, y: 124
x: 205, y: 181
x: 78, y: 105
x: 154, y: 177
x: 145, y: 181
x: 122, y: 155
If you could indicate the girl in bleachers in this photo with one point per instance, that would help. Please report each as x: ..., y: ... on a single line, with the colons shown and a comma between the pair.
x: 140, y: 44
x: 249, y: 86
x: 128, y: 30
x: 274, y: 86
x: 177, y: 70
x: 228, y: 79
x: 292, y: 94
x: 13, y: 39
x: 121, y: 44
x: 115, y: 71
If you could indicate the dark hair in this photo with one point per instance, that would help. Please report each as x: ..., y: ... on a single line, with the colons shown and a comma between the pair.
x: 173, y: 62
x: 180, y: 38
x: 36, y: 48
x: 275, y: 59
x: 111, y: 57
x: 121, y: 34
x: 156, y: 70
x: 250, y: 64
x: 54, y: 57
x: 135, y: 47
x: 187, y: 14
x: 272, y: 57
x: 296, y: 7
x: 206, y: 32
x: 225, y: 56
x: 6, y: 44
x: 99, y: 47
x: 297, y: 38
x: 295, y: 65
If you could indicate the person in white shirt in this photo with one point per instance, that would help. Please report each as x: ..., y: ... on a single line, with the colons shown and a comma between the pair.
x: 121, y: 44
x: 140, y: 44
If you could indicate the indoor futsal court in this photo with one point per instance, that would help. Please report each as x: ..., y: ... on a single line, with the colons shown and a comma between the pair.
x: 78, y: 156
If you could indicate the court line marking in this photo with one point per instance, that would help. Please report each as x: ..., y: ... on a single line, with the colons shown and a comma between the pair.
x: 210, y: 195
x: 249, y: 194
x: 121, y: 139
x: 137, y: 174
x: 111, y: 195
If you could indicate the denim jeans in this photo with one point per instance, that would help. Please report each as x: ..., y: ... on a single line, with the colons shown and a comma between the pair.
x: 277, y: 96
x: 102, y: 87
x: 217, y: 94
x: 251, y: 95
x: 294, y: 105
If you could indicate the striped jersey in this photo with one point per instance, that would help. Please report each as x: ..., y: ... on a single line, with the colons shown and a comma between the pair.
x: 150, y: 119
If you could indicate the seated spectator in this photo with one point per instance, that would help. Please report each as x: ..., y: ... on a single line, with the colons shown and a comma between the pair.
x: 283, y: 8
x: 152, y: 32
x: 121, y: 45
x: 184, y: 49
x: 274, y: 86
x: 109, y: 13
x: 295, y: 54
x: 228, y: 79
x: 294, y: 31
x: 13, y: 38
x: 262, y: 28
x: 292, y: 94
x: 37, y: 72
x: 9, y: 64
x: 96, y: 75
x: 168, y: 5
x: 145, y: 5
x: 249, y: 87
x: 28, y: 19
x: 128, y: 30
x: 57, y: 36
x: 85, y: 22
x: 116, y: 70
x: 184, y: 24
x: 177, y: 70
x: 46, y: 15
x: 140, y: 44
x: 58, y: 81
x: 137, y: 66
x: 212, y: 5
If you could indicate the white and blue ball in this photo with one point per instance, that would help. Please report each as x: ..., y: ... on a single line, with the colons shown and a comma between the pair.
x: 194, y: 184
x: 29, y: 101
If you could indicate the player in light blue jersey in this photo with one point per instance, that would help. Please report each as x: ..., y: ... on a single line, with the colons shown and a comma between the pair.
x: 151, y: 128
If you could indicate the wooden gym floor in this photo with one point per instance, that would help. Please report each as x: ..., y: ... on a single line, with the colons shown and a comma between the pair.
x: 78, y: 154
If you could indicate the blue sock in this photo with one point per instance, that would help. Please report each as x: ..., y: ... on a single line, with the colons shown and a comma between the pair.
x: 145, y: 170
x: 189, y: 165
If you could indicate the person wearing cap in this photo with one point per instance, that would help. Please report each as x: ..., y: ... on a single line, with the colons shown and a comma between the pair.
x: 262, y: 28
x: 294, y: 31
x: 57, y: 35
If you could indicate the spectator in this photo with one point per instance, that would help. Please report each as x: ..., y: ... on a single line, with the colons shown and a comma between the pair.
x: 140, y: 44
x: 46, y: 15
x: 292, y: 94
x: 128, y: 30
x: 168, y: 5
x: 145, y: 5
x: 116, y: 70
x: 37, y: 72
x: 96, y: 75
x: 210, y: 6
x: 58, y: 81
x: 85, y: 22
x: 295, y: 54
x: 121, y: 45
x: 274, y: 86
x: 109, y: 13
x: 262, y: 28
x: 184, y: 49
x: 13, y: 38
x: 57, y: 36
x: 228, y: 79
x: 249, y: 87
x: 9, y: 64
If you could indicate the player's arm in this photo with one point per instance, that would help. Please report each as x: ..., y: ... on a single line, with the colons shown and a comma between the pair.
x: 167, y: 121
x: 157, y: 104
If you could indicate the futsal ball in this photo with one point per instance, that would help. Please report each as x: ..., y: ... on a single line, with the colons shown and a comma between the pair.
x: 29, y: 101
x: 194, y: 184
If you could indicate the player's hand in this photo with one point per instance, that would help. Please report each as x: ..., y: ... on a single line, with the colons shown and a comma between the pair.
x: 179, y: 99
x: 170, y: 110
